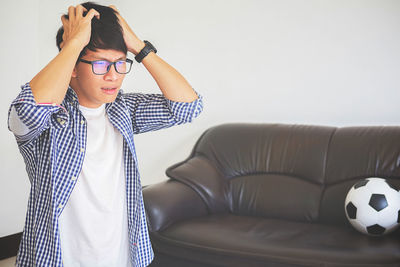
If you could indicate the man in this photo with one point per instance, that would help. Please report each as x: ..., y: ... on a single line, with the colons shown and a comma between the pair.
x: 74, y: 128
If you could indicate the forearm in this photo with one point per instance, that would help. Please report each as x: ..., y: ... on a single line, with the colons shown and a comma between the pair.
x: 51, y: 83
x: 172, y: 84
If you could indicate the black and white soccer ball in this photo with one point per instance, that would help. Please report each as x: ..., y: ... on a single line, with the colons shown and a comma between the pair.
x: 373, y: 206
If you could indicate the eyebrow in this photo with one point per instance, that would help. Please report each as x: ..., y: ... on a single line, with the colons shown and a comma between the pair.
x: 102, y: 58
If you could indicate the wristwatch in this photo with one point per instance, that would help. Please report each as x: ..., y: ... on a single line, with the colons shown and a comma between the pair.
x: 145, y: 51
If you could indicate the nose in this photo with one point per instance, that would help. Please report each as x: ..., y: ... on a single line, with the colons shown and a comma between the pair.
x: 112, y: 74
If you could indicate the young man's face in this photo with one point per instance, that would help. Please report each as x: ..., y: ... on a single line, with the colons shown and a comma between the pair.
x: 94, y: 90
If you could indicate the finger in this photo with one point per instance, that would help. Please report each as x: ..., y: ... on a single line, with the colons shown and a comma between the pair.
x: 79, y: 10
x: 64, y: 22
x: 114, y: 7
x: 116, y: 10
x: 71, y: 13
x: 93, y: 13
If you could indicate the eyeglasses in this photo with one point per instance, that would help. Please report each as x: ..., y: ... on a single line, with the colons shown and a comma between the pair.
x: 101, y: 67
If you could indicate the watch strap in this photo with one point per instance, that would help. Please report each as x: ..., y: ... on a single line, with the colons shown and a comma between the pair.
x: 145, y: 51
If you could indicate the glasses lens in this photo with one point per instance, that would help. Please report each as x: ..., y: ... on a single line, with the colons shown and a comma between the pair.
x: 100, y: 67
x: 121, y: 66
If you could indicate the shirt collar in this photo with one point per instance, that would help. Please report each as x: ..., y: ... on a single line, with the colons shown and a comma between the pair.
x: 118, y: 99
x: 71, y: 96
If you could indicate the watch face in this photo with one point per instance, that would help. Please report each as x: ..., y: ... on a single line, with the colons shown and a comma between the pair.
x: 149, y: 47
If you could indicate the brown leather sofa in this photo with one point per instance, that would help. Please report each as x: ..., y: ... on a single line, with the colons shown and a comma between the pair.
x: 272, y: 195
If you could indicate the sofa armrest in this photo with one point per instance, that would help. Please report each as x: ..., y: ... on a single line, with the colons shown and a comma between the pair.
x: 169, y: 202
x: 203, y: 177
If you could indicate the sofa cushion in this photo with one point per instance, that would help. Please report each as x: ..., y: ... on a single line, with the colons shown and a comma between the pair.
x: 230, y: 240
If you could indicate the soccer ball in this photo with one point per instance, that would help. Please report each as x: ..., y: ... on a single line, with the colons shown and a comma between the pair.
x: 373, y: 206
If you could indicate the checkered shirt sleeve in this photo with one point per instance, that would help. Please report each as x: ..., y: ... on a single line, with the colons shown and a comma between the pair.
x: 152, y: 112
x: 35, y: 117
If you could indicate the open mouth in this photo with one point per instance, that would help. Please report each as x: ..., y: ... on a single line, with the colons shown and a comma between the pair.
x: 109, y: 90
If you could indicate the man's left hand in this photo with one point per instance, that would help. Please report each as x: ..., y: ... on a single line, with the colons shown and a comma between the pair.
x: 133, y: 43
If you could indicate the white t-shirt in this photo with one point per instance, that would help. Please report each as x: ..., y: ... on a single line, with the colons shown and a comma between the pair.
x: 93, y: 224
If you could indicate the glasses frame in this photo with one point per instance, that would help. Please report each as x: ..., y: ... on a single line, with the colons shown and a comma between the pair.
x: 109, y: 66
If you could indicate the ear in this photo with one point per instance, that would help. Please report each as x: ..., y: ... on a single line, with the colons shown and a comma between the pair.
x: 74, y: 73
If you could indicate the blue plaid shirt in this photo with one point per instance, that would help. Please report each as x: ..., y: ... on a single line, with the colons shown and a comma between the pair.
x: 54, y: 149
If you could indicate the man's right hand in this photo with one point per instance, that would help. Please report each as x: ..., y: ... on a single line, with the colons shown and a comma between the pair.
x: 77, y: 28
x: 51, y: 83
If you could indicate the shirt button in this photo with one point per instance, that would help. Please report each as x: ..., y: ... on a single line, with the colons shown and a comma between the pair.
x: 61, y: 121
x: 60, y: 206
x: 73, y: 178
x: 53, y: 104
x: 82, y: 122
x: 82, y: 149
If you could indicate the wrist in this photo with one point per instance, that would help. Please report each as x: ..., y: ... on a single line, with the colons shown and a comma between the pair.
x: 73, y: 45
x: 137, y: 47
x: 72, y: 49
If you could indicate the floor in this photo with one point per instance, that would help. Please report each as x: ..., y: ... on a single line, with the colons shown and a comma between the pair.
x: 8, y: 262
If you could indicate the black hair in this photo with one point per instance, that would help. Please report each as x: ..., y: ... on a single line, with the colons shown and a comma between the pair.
x: 106, y: 32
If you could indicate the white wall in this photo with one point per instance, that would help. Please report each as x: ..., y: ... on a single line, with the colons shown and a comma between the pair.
x: 327, y: 62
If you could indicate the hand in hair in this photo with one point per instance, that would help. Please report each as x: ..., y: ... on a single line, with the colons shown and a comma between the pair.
x: 133, y: 43
x: 77, y: 27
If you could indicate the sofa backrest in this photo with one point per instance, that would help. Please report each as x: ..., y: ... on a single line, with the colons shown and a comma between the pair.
x: 296, y: 172
x: 356, y: 153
